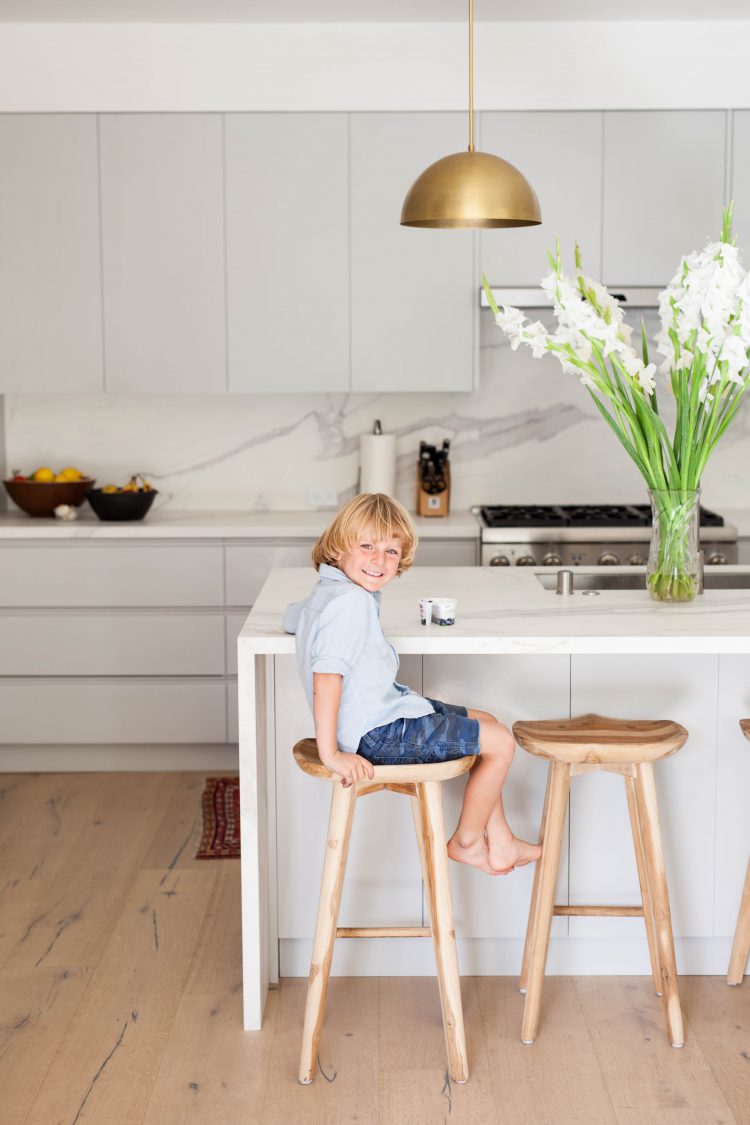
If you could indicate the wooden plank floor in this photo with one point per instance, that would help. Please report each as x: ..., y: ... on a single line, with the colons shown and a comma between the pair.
x: 120, y: 1000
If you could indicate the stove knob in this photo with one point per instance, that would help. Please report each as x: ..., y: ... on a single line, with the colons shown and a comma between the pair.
x: 552, y: 559
x: 718, y: 558
x: 500, y: 560
x: 608, y: 559
x: 637, y: 560
x: 526, y: 560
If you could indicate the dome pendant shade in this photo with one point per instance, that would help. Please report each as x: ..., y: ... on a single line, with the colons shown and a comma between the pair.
x: 471, y: 189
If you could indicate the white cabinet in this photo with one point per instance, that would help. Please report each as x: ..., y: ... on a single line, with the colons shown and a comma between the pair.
x: 414, y: 292
x: 287, y: 200
x: 112, y: 644
x: 561, y: 156
x: 602, y: 865
x: 663, y: 191
x: 163, y: 253
x: 70, y: 711
x: 50, y: 287
x: 740, y: 192
x: 115, y: 574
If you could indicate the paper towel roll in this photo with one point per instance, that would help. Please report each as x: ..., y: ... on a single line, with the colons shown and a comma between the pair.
x: 377, y: 463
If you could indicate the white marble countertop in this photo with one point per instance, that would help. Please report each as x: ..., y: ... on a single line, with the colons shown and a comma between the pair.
x: 214, y: 525
x: 508, y: 611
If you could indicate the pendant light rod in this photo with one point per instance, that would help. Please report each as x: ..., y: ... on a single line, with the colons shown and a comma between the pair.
x: 471, y: 75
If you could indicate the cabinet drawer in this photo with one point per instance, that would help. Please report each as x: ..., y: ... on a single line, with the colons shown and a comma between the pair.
x: 92, y: 574
x: 447, y: 552
x: 71, y: 644
x: 247, y: 567
x: 91, y: 711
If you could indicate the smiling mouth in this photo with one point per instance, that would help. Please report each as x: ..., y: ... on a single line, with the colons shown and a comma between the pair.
x: 373, y: 574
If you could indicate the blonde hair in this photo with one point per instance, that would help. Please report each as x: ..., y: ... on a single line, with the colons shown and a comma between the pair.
x: 384, y: 516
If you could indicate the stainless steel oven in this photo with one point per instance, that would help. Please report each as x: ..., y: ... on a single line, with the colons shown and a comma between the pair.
x: 586, y: 535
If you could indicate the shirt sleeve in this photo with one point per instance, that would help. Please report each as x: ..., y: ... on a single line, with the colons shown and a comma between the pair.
x: 291, y: 616
x: 342, y: 632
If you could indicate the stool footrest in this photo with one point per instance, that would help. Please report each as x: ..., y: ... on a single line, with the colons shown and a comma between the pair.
x: 383, y: 931
x: 599, y: 911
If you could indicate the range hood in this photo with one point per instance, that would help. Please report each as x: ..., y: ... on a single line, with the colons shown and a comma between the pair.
x: 633, y: 297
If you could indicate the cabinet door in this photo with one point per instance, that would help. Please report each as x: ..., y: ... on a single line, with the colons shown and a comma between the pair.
x: 663, y: 191
x: 414, y: 292
x: 561, y: 156
x: 287, y: 251
x: 163, y: 252
x: 50, y: 287
x: 740, y: 192
x: 602, y: 862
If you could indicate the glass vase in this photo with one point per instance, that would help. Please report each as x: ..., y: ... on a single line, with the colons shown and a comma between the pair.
x: 672, y: 574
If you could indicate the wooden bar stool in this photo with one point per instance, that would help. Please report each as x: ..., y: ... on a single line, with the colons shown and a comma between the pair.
x: 422, y: 784
x: 581, y: 745
x: 741, y: 944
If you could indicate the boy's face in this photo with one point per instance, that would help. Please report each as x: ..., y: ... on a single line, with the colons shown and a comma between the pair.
x: 371, y: 562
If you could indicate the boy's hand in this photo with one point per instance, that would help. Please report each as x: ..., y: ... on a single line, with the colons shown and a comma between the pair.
x: 351, y: 767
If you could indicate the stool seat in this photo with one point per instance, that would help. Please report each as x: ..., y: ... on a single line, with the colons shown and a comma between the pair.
x: 598, y: 739
x: 308, y: 759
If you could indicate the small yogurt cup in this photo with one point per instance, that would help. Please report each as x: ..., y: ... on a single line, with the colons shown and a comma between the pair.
x: 444, y: 611
x: 425, y: 610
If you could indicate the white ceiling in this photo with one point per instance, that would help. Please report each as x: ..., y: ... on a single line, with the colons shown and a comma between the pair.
x: 357, y: 11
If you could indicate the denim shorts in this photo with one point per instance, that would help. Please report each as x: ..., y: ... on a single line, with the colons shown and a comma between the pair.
x: 447, y: 734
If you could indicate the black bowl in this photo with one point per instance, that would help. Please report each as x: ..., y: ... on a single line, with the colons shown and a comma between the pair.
x: 120, y: 505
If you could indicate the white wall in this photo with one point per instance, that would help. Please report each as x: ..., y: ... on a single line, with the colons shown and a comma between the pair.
x: 574, y: 65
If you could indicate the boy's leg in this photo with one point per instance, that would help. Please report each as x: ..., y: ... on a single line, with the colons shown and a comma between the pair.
x: 482, y: 809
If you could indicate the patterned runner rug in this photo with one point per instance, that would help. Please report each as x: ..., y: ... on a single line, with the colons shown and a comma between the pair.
x: 221, y: 819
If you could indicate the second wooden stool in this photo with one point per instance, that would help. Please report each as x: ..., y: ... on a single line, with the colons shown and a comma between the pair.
x: 580, y: 745
x: 422, y: 784
x: 741, y: 944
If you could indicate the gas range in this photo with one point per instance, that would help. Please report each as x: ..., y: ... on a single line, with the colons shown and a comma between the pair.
x: 586, y: 535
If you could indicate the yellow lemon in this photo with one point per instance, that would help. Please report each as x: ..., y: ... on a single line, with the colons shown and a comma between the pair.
x: 70, y: 474
x: 43, y: 475
x: 110, y: 488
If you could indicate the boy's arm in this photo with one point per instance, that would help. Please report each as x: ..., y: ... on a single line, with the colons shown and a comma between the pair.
x: 326, y: 700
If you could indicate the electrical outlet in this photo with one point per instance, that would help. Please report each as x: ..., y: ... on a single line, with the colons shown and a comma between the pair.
x: 322, y: 498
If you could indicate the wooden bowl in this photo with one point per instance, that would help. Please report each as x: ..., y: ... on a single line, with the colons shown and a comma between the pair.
x: 38, y: 498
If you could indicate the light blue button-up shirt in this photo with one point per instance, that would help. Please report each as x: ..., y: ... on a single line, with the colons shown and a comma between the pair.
x: 338, y: 629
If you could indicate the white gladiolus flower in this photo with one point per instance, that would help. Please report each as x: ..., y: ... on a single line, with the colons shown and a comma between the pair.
x: 704, y: 339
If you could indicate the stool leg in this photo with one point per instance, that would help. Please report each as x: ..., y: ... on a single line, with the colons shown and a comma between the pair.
x: 648, y: 906
x: 648, y: 814
x: 559, y: 787
x: 534, y: 895
x: 741, y: 945
x: 438, y: 886
x: 334, y: 866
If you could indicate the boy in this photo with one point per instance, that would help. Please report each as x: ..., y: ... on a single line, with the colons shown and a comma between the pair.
x: 363, y: 718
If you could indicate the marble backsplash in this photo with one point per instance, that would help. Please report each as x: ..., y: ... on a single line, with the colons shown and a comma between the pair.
x: 530, y: 434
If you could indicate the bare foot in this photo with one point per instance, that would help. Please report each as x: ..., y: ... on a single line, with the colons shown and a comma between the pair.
x: 507, y: 851
x: 475, y: 853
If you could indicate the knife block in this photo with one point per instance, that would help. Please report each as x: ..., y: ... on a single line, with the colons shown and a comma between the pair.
x: 434, y: 503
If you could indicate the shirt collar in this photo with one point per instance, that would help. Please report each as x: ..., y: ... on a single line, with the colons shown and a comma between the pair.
x: 333, y: 574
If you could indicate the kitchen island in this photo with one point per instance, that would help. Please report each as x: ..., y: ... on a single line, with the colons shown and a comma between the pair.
x: 520, y: 651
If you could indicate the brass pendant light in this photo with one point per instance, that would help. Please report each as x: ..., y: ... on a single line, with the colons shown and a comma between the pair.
x: 471, y: 189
